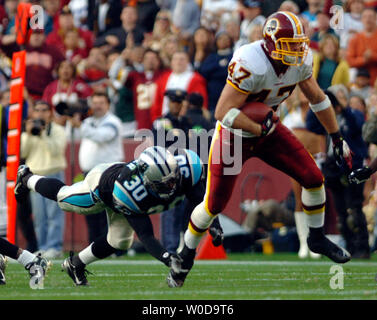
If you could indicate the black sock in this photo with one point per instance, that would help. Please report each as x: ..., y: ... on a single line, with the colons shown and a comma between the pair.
x: 49, y: 187
x: 77, y: 262
x: 8, y: 249
x: 187, y: 253
x: 316, y: 232
x: 101, y: 248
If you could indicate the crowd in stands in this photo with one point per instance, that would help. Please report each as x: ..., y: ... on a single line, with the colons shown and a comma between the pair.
x: 136, y: 50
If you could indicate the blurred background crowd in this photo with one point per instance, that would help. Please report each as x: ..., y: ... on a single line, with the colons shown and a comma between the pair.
x: 161, y: 64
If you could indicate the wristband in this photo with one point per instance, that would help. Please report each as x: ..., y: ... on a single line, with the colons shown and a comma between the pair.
x: 326, y: 103
x: 230, y: 116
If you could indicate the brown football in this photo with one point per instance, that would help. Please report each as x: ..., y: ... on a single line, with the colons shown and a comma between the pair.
x: 258, y: 111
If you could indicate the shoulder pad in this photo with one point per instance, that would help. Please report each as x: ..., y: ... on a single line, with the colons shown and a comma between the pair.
x: 251, y: 57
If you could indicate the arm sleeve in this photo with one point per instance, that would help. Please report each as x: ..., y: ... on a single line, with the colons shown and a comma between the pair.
x: 144, y: 229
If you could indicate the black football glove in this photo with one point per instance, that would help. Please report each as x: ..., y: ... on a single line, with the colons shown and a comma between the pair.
x: 360, y: 175
x: 267, y: 124
x: 342, y: 152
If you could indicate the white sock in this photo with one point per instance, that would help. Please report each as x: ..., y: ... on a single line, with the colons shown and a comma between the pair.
x: 315, y: 220
x: 87, y: 256
x: 32, y: 181
x: 26, y: 257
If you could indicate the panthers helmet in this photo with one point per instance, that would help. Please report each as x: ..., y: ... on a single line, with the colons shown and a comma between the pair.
x: 160, y: 171
x: 285, y: 39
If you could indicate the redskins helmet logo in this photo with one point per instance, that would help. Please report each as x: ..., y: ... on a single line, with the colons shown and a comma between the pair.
x: 271, y: 27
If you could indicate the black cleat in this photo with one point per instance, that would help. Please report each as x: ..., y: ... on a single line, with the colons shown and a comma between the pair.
x: 21, y: 189
x: 217, y: 236
x: 3, y: 264
x: 38, y: 269
x: 323, y: 245
x: 77, y: 274
x: 179, y: 271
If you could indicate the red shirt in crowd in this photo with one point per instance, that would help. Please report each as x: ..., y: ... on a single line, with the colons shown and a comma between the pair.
x: 188, y: 81
x: 40, y: 63
x: 143, y: 92
x: 54, y: 94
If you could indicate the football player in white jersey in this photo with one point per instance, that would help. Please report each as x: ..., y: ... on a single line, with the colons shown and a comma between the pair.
x: 267, y: 71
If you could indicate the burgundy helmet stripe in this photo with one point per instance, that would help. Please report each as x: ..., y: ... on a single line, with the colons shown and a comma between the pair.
x: 291, y: 21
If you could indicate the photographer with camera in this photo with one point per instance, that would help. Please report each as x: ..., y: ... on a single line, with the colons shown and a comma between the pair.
x: 43, y: 147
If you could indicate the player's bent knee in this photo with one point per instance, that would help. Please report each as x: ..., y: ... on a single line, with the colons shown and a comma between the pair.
x: 121, y: 243
x: 313, y: 179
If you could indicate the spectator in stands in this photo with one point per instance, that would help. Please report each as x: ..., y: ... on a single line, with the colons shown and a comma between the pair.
x: 215, y: 68
x: 72, y: 50
x: 161, y: 31
x: 232, y: 27
x: 52, y: 10
x: 66, y: 23
x: 11, y: 10
x: 290, y: 6
x: 328, y: 67
x: 202, y: 46
x: 115, y: 38
x: 358, y: 103
x: 185, y: 18
x: 101, y: 143
x: 67, y: 88
x: 323, y: 27
x: 256, y: 33
x: 146, y: 12
x: 314, y: 7
x: 180, y: 77
x: 361, y: 85
x: 136, y: 91
x: 349, y: 198
x: 252, y: 13
x: 93, y: 69
x: 362, y: 49
x: 104, y: 15
x: 43, y: 147
x: 41, y: 60
x: 169, y: 46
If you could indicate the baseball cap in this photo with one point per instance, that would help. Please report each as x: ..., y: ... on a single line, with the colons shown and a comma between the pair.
x: 252, y: 3
x: 176, y: 95
x: 195, y: 99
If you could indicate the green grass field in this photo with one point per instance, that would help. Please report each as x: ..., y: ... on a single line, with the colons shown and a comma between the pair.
x: 241, y: 276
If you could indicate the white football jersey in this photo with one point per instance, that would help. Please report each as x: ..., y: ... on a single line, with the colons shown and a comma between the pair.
x: 251, y: 72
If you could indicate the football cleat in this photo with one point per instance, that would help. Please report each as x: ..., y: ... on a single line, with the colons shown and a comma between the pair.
x: 178, y: 272
x: 77, y: 274
x: 176, y: 280
x: 21, y: 189
x: 38, y: 269
x: 217, y: 236
x: 3, y: 264
x: 324, y: 246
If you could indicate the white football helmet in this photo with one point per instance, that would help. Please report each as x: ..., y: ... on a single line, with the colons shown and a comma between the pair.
x: 160, y: 171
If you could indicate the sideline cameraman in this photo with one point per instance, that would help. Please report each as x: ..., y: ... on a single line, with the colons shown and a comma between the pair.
x: 43, y: 147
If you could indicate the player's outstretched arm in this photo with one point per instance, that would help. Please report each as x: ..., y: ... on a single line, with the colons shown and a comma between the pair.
x: 321, y: 106
x: 144, y: 229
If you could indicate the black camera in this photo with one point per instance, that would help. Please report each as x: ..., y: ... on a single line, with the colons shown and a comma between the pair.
x: 65, y: 109
x: 38, y: 125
